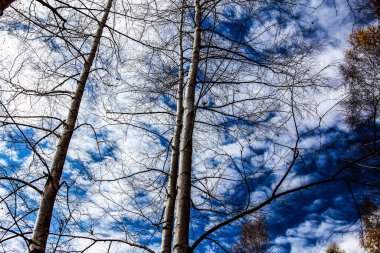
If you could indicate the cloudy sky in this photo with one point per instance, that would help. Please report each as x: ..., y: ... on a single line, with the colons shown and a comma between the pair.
x: 114, y: 181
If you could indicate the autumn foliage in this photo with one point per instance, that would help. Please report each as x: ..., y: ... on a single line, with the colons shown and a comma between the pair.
x: 361, y: 75
x: 370, y: 240
x: 254, y: 237
x: 334, y: 248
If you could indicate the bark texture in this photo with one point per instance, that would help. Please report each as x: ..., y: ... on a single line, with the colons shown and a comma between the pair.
x: 4, y: 4
x: 45, y: 212
x: 167, y: 232
x: 181, y: 231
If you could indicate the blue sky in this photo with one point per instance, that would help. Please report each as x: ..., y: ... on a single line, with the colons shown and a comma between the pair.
x: 115, y: 171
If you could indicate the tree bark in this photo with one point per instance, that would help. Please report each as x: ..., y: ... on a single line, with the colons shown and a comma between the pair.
x: 45, y: 212
x: 167, y: 232
x: 181, y: 231
x: 4, y: 4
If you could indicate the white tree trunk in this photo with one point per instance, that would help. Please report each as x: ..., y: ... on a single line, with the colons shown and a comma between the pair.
x: 167, y: 232
x: 45, y: 212
x: 181, y: 231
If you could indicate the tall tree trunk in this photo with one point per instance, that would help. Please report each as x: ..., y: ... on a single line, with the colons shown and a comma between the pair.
x: 167, y: 232
x: 181, y: 231
x: 4, y: 4
x: 45, y: 212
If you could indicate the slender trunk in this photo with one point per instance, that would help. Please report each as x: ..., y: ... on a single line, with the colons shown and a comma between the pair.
x: 4, y: 4
x: 181, y: 231
x: 167, y: 232
x: 45, y: 212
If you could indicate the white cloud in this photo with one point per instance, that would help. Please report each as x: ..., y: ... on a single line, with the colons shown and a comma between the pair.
x: 314, y: 236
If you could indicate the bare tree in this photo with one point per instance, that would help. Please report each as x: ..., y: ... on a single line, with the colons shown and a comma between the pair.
x: 167, y: 232
x: 181, y: 231
x: 52, y: 186
x: 254, y: 237
x: 230, y: 53
x: 249, y: 110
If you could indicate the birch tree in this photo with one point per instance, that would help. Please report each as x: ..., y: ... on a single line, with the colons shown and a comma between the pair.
x: 281, y: 69
x: 167, y: 232
x: 184, y: 181
x: 45, y: 212
x: 181, y: 232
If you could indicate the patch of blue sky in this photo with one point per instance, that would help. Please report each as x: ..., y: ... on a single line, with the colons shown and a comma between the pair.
x: 106, y: 152
x: 280, y: 12
x: 229, y: 121
x: 105, y: 61
x: 214, y: 163
x: 163, y: 141
x: 233, y: 121
x: 137, y: 225
x: 92, y: 89
x: 275, y: 8
x: 318, y: 203
x: 77, y: 191
x: 24, y: 202
x: 17, y: 150
x: 82, y: 168
x: 257, y: 55
x: 227, y: 138
x: 314, y: 32
x: 339, y: 146
x: 17, y: 144
x: 160, y: 66
x: 201, y: 76
x: 283, y: 248
x: 203, y: 83
x: 52, y: 44
x: 298, y: 23
x: 311, y: 35
x: 168, y: 100
x: 104, y: 145
x: 236, y: 29
x: 257, y: 164
x: 296, y: 208
x: 174, y: 71
x: 201, y: 223
x: 207, y: 100
x: 257, y: 151
x: 237, y: 200
x: 15, y: 26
